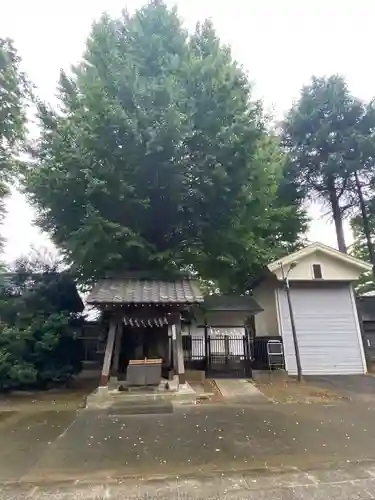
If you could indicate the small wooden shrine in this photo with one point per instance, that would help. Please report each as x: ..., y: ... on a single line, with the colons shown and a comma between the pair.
x: 144, y: 326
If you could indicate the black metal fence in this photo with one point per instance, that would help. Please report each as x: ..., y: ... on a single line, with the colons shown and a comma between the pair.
x: 224, y: 355
x: 194, y: 352
x: 258, y: 346
x: 219, y: 355
x: 229, y: 356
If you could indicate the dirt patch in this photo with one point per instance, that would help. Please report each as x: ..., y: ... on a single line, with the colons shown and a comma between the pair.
x: 291, y: 391
x: 65, y: 398
x: 42, y: 400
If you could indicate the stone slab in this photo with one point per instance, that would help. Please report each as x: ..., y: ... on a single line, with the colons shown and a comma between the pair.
x: 102, y: 398
x: 240, y: 390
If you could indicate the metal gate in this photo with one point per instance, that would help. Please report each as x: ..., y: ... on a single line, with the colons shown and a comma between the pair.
x: 218, y: 355
x: 228, y: 357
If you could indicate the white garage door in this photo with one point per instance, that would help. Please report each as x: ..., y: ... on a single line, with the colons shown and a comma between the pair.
x: 327, y: 331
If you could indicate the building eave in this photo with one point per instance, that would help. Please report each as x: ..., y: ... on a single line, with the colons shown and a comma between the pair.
x: 316, y: 246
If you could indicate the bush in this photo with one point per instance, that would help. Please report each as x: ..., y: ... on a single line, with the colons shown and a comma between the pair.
x: 39, y: 345
x: 15, y: 369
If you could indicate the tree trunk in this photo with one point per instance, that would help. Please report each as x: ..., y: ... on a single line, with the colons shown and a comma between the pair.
x: 365, y: 221
x: 337, y: 219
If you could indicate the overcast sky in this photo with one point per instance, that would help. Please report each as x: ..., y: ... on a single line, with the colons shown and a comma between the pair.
x: 281, y: 43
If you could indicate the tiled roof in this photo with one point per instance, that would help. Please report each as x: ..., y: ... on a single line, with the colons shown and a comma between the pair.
x: 133, y: 290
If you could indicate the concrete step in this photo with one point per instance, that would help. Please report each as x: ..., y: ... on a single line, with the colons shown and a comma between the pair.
x: 102, y: 398
x: 144, y: 407
x: 165, y: 396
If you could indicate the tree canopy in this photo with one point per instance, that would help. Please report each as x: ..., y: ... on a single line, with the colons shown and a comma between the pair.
x: 325, y: 135
x: 14, y: 90
x: 159, y: 158
x: 360, y: 250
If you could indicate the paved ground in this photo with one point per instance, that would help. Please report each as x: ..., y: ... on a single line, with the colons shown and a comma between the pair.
x: 192, y: 440
x: 26, y: 437
x: 199, y: 440
x: 227, y: 450
x: 349, y: 481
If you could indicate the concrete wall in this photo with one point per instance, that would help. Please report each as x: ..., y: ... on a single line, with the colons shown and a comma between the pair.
x: 266, y: 321
x: 332, y: 269
x: 222, y: 318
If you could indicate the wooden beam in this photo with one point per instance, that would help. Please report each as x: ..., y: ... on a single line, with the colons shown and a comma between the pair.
x: 108, y: 352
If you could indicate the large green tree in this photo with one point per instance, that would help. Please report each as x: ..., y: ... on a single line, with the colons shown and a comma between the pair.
x: 324, y: 135
x: 159, y: 159
x: 14, y: 92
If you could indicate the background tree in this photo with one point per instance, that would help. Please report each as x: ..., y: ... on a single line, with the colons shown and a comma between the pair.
x: 159, y: 158
x: 319, y: 134
x: 14, y: 91
x: 360, y: 247
x: 361, y: 167
x: 39, y: 321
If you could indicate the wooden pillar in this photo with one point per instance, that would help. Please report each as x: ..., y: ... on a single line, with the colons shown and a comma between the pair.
x: 174, y: 349
x: 170, y: 351
x: 117, y: 351
x: 180, y: 355
x: 108, y: 352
